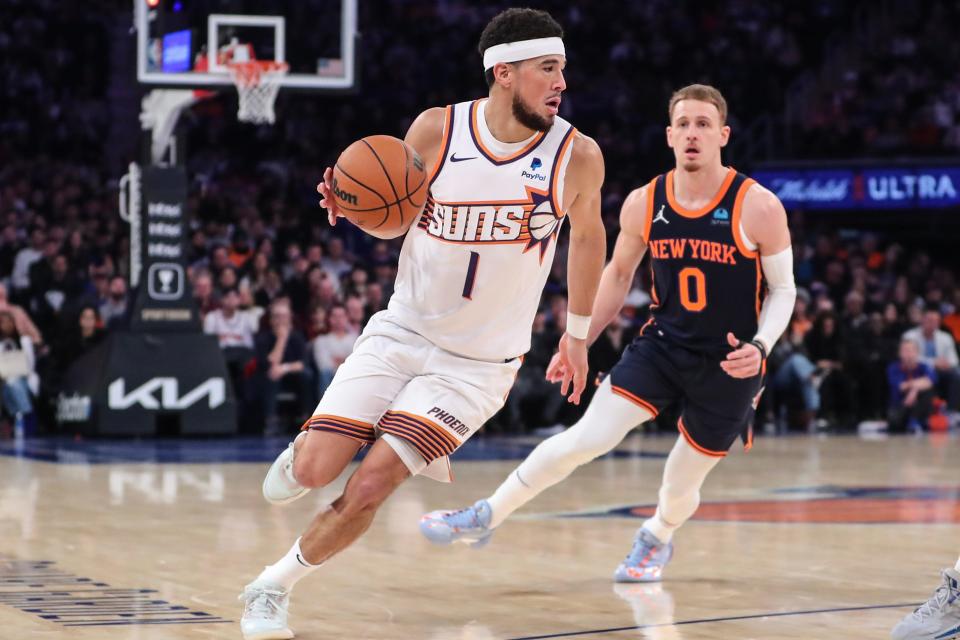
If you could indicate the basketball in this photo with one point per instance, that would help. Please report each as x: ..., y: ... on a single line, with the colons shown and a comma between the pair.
x: 379, y: 184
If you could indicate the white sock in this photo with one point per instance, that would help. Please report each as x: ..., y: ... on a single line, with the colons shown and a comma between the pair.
x: 957, y: 566
x: 607, y: 420
x: 287, y: 571
x: 683, y: 475
x: 658, y: 527
x: 509, y: 496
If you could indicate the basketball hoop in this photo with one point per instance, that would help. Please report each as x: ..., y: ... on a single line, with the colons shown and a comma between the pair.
x: 257, y: 82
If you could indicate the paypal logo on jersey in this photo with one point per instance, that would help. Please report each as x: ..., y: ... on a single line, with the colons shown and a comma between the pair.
x: 535, y: 164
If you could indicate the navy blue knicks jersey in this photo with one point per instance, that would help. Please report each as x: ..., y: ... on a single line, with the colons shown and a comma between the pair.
x: 706, y: 281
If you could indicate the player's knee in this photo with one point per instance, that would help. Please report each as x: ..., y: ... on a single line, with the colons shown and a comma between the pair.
x: 368, y: 491
x: 313, y: 476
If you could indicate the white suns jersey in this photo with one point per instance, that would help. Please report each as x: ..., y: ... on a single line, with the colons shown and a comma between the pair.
x: 473, y: 266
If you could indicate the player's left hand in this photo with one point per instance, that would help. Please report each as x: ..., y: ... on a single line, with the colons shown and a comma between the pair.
x: 744, y: 361
x: 573, y: 360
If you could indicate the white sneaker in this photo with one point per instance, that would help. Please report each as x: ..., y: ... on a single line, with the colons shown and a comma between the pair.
x: 936, y: 619
x: 279, y: 485
x: 265, y: 612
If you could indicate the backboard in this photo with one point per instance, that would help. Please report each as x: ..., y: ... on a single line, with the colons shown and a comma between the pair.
x: 186, y: 43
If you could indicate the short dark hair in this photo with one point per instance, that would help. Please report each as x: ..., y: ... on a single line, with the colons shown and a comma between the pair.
x: 515, y: 24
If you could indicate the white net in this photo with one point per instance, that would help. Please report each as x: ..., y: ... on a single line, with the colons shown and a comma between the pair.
x: 258, y: 83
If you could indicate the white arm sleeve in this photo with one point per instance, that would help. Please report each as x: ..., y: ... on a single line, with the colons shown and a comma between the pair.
x: 778, y: 305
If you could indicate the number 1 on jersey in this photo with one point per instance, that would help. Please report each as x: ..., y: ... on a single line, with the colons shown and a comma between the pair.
x: 471, y: 275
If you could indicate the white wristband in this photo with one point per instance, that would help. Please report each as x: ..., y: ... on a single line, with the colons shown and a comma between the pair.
x: 578, y: 326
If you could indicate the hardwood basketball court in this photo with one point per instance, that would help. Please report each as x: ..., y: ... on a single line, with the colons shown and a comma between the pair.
x: 801, y: 538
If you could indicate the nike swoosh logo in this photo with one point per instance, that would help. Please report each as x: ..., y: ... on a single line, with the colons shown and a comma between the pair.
x: 454, y: 158
x: 302, y: 561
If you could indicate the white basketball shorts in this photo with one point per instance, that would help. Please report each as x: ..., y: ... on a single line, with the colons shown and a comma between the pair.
x: 423, y: 400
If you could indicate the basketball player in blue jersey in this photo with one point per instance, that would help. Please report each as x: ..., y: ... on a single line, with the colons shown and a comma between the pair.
x: 427, y: 372
x: 714, y: 236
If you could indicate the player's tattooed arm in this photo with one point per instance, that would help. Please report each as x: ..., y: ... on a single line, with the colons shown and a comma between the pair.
x: 425, y: 135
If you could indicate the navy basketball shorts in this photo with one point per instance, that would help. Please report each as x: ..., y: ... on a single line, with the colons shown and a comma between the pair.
x: 716, y: 408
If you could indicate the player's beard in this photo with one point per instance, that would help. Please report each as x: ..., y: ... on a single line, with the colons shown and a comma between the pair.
x: 529, y: 118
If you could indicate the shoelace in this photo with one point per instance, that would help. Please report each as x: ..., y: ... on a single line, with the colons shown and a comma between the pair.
x: 474, y: 520
x: 939, y: 600
x: 264, y: 604
x: 634, y: 556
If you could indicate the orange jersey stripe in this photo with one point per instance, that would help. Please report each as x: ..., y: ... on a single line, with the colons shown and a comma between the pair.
x: 444, y: 144
x: 706, y: 452
x: 635, y: 399
x: 648, y: 222
x: 417, y: 437
x: 737, y: 212
x: 429, y: 424
x: 556, y: 172
x: 686, y: 213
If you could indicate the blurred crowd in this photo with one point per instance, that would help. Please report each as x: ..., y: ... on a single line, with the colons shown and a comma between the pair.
x: 900, y: 97
x: 286, y: 294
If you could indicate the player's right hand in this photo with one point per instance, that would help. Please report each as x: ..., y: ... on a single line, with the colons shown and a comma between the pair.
x: 556, y: 369
x: 325, y: 189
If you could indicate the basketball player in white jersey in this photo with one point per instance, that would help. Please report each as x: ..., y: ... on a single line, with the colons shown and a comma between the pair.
x: 715, y: 233
x: 939, y: 617
x: 435, y: 365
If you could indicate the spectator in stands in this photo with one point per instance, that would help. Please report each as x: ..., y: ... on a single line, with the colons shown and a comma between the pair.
x: 332, y: 348
x: 281, y: 352
x: 335, y: 262
x: 25, y: 325
x: 17, y: 368
x: 219, y: 259
x: 317, y: 325
x: 52, y: 292
x: 356, y: 313
x: 24, y: 260
x: 203, y: 293
x: 826, y: 349
x: 270, y: 289
x: 373, y: 295
x: 939, y: 352
x: 911, y: 383
x: 951, y: 315
x: 113, y: 310
x: 234, y: 329
x: 256, y: 270
x: 78, y: 339
x: 874, y: 346
x: 240, y: 249
x: 227, y: 279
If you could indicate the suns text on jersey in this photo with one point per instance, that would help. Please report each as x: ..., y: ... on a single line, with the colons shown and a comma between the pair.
x: 479, y: 222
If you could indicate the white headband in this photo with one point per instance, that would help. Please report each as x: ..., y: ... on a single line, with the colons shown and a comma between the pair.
x: 522, y: 50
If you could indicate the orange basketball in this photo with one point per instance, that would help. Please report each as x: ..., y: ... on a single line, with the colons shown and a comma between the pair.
x: 380, y: 185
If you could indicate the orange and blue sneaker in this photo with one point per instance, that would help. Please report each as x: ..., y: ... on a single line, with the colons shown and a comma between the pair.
x: 646, y: 559
x: 470, y: 525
